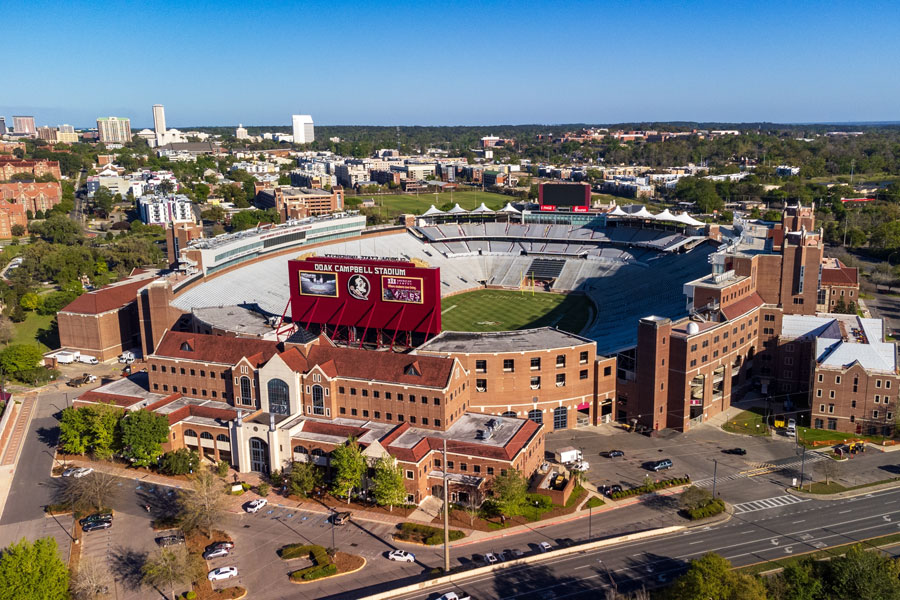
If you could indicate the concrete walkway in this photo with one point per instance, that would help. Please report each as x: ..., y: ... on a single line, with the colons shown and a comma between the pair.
x: 429, y: 509
x: 11, y: 442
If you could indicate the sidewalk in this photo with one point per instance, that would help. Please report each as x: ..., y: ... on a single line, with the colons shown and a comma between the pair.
x: 11, y: 442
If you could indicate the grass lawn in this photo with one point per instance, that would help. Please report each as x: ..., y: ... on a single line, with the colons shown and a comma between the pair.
x: 594, y: 502
x: 820, y: 487
x: 807, y: 436
x: 746, y: 423
x: 500, y: 310
x: 885, y: 540
x: 27, y: 330
x: 410, y: 203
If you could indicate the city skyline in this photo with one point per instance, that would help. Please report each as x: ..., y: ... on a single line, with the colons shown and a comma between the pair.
x: 451, y: 65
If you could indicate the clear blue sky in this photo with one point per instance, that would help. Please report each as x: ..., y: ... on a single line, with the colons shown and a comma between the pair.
x: 445, y: 63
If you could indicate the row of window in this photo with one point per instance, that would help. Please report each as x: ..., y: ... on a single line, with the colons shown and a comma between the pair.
x: 389, y: 395
x: 184, y: 390
x: 205, y: 435
x: 183, y: 371
x: 388, y: 416
x: 481, y: 385
x: 837, y: 380
x: 509, y: 364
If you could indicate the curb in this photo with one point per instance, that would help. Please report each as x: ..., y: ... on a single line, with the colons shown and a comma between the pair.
x: 335, y: 576
x: 844, y: 495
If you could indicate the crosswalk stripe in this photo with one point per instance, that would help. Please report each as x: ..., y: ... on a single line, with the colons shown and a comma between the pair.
x: 767, y: 503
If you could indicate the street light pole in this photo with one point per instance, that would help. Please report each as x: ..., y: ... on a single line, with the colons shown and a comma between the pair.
x: 446, y: 514
x: 715, y: 471
x: 802, y: 465
x: 590, y: 515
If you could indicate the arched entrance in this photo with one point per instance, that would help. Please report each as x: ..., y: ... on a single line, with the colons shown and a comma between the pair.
x: 259, y: 455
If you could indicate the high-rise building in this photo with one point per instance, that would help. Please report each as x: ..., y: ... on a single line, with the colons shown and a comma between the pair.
x: 159, y: 119
x: 2, y: 125
x: 47, y: 134
x: 114, y: 130
x: 304, y: 132
x: 241, y: 132
x: 24, y: 125
x: 66, y: 134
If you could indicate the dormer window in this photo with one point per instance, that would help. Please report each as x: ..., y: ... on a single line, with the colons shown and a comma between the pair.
x: 186, y: 347
x: 412, y: 369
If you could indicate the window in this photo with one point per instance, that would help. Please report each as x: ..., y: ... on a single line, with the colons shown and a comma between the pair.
x: 279, y: 397
x: 877, y: 399
x: 387, y: 395
x: 376, y: 393
x: 205, y: 435
x: 437, y: 463
x: 412, y: 398
x: 874, y: 414
x: 424, y: 420
x: 583, y: 357
x: 412, y: 418
x: 449, y: 465
x: 878, y: 383
x: 560, y: 417
x: 318, y: 400
x: 193, y: 373
x: 481, y: 366
x: 607, y: 371
x: 887, y: 384
x: 352, y: 391
x: 377, y: 414
x: 769, y: 318
x: 352, y: 412
x: 818, y: 424
x: 509, y: 365
x: 365, y: 393
x: 182, y: 370
x: 463, y: 467
x: 831, y: 394
x: 490, y: 470
x: 342, y: 410
x: 694, y: 362
x: 560, y: 361
x: 560, y: 379
x: 820, y: 378
x: 399, y: 397
x: 246, y: 396
x: 437, y: 401
x: 476, y: 468
x: 853, y: 404
x: 222, y: 438
x: 832, y: 423
x: 152, y: 367
x: 202, y: 373
x: 437, y: 422
x: 536, y: 382
x: 831, y: 409
x: 481, y: 385
x: 818, y: 393
x: 535, y: 363
x: 190, y: 433
x: 536, y: 415
x: 300, y: 450
x: 583, y: 374
x: 837, y: 380
x: 365, y: 413
x: 693, y: 347
x: 409, y: 474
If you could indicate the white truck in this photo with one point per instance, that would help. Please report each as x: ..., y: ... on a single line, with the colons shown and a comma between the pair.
x: 88, y: 359
x: 67, y: 358
x: 454, y: 596
x: 568, y: 455
x: 127, y: 357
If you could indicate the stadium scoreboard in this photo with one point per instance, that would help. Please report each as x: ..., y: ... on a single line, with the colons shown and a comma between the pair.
x: 365, y: 293
x: 567, y: 195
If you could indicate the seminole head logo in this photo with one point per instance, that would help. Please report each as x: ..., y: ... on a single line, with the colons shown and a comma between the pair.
x: 359, y: 287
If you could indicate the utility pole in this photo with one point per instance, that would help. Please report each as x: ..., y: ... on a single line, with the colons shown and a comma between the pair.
x: 446, y: 514
x: 802, y: 464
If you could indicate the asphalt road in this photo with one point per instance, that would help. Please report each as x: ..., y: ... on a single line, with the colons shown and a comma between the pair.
x: 748, y: 538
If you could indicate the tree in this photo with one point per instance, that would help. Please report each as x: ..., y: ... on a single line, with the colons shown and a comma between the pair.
x: 863, y: 574
x: 349, y: 467
x: 214, y: 213
x: 203, y: 504
x: 710, y: 577
x: 694, y: 497
x: 74, y: 436
x: 509, y: 491
x: 143, y: 433
x: 103, y: 200
x: 304, y: 478
x: 201, y: 192
x: 388, y: 487
x: 94, y: 491
x: 180, y: 462
x: 33, y: 571
x: 91, y: 581
x: 799, y: 581
x: 7, y: 330
x: 30, y: 301
x: 17, y: 358
x: 168, y: 567
x: 17, y: 230
x: 58, y: 229
x: 830, y: 469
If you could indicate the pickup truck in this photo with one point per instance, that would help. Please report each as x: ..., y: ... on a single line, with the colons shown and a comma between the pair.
x: 454, y: 596
x: 80, y: 381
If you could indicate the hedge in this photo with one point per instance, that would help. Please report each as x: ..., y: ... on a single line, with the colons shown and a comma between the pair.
x: 650, y: 487
x: 322, y: 567
x: 426, y: 534
x: 713, y: 507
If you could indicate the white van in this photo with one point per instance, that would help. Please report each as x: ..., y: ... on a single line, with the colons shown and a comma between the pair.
x: 791, y: 429
x: 88, y: 359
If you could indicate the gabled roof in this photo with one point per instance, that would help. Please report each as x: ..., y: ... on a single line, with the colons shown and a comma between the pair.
x: 742, y: 306
x: 215, y: 348
x: 110, y: 297
x: 841, y: 276
x: 388, y: 367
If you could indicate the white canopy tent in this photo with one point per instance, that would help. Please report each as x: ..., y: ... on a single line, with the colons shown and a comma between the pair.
x: 432, y: 211
x: 482, y: 209
x: 509, y: 208
x: 457, y: 209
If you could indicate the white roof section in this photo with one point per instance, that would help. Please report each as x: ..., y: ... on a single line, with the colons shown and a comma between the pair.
x: 842, y: 340
x: 482, y: 209
x: 665, y: 216
x: 433, y: 211
x: 688, y: 220
x: 643, y: 213
x: 457, y: 209
x: 617, y: 212
x: 509, y: 208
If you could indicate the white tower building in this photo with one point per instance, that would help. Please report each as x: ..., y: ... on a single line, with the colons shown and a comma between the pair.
x: 304, y: 131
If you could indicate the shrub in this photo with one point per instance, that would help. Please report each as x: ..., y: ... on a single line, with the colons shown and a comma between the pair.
x: 179, y: 462
x: 714, y: 507
x: 262, y: 489
x: 222, y: 468
x: 650, y: 487
x: 540, y: 501
x: 190, y: 595
x: 322, y: 567
x: 246, y: 486
x: 425, y: 534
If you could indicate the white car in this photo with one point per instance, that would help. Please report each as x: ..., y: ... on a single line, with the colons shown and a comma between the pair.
x: 255, y: 505
x: 216, y: 553
x: 545, y: 547
x: 222, y: 573
x: 582, y: 466
x: 69, y: 472
x: 401, y: 556
x: 81, y: 472
x: 490, y: 558
x: 454, y: 596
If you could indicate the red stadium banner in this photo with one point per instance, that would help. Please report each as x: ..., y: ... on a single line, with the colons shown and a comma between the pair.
x: 366, y: 294
x: 547, y: 208
x: 580, y: 209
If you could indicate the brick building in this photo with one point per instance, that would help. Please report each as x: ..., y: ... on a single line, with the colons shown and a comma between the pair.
x: 33, y: 196
x: 11, y: 214
x: 299, y: 203
x: 35, y: 168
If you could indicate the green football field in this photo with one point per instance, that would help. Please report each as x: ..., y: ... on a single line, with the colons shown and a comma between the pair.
x: 500, y: 310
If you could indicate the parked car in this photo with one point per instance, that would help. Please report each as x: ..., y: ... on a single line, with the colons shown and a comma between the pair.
x: 216, y: 553
x: 340, y: 518
x: 169, y: 540
x: 222, y: 573
x: 609, y: 490
x: 516, y: 553
x: 96, y: 517
x: 545, y: 546
x: 96, y: 525
x: 79, y: 381
x: 401, y: 556
x: 736, y: 451
x: 454, y: 596
x: 82, y: 472
x: 217, y: 545
x: 490, y: 558
x: 581, y: 466
x: 661, y: 465
x: 69, y: 472
x: 255, y: 505
x: 615, y: 454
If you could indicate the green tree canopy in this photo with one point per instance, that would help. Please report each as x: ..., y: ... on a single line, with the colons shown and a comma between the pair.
x: 711, y: 578
x: 143, y: 433
x: 304, y: 478
x: 33, y: 571
x: 509, y: 491
x: 349, y: 467
x: 19, y: 358
x: 388, y: 487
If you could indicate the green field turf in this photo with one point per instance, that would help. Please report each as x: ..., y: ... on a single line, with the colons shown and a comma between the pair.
x: 499, y: 310
x: 412, y: 204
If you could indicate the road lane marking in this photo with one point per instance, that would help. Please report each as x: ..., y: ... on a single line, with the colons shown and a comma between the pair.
x: 800, y: 521
x: 844, y: 512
